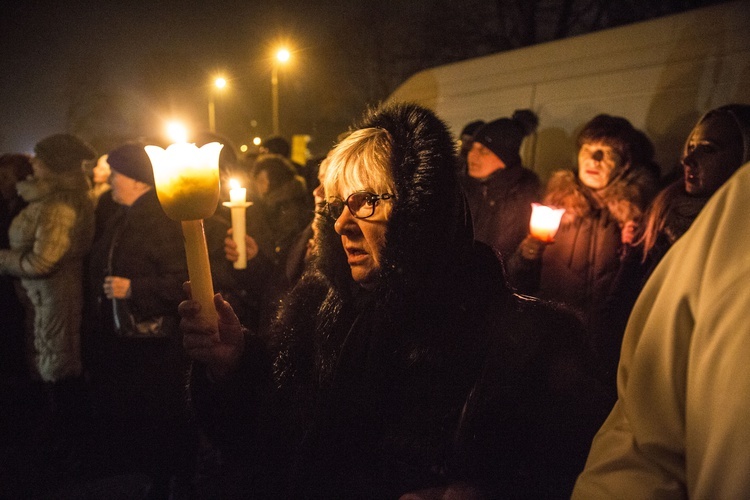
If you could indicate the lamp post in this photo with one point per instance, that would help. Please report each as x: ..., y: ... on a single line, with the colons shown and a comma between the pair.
x: 282, y: 56
x: 219, y: 83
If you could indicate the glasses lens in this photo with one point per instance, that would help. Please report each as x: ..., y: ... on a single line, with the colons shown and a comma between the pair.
x: 362, y: 204
x: 335, y: 207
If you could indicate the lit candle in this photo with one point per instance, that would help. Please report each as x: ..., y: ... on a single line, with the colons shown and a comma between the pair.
x: 237, y: 203
x: 237, y: 194
x: 545, y: 222
x: 187, y: 185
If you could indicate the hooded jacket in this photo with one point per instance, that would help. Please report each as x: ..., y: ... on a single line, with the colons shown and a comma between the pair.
x: 439, y: 374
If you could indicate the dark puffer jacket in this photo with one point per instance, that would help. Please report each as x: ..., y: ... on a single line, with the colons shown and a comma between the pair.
x: 438, y: 375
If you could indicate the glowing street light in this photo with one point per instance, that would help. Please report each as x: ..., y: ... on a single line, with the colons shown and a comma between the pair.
x: 219, y: 83
x: 282, y: 56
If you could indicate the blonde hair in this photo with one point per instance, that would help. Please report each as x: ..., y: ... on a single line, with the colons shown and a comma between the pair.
x: 361, y: 161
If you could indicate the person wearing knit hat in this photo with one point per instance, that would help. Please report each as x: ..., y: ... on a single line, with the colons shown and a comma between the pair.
x: 132, y: 161
x: 499, y: 188
x: 49, y: 239
x: 137, y: 262
x: 465, y: 141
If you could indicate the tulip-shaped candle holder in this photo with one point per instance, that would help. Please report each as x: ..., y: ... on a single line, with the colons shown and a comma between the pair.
x: 187, y: 185
x: 238, y: 204
x: 544, y: 222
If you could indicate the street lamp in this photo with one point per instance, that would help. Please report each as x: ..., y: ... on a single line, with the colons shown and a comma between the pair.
x: 282, y: 56
x: 219, y: 83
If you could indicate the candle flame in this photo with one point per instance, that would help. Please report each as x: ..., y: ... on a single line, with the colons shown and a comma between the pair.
x: 234, y: 183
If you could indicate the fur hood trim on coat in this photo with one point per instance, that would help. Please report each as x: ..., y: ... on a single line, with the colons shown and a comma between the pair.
x: 430, y: 222
x: 626, y: 198
x: 36, y: 188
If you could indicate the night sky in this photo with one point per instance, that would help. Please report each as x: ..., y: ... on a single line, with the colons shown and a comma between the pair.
x: 113, y: 71
x: 137, y: 64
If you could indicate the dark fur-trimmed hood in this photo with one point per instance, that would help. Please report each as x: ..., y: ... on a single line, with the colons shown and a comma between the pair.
x: 424, y: 267
x: 430, y: 223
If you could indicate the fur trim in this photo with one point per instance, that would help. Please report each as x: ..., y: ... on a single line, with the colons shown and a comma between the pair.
x: 626, y: 198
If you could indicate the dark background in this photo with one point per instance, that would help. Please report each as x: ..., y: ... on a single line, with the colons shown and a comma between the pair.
x: 110, y: 71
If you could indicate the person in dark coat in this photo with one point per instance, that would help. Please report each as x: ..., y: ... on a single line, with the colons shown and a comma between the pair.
x: 281, y: 208
x: 499, y: 188
x: 401, y: 361
x: 138, y: 368
x: 604, y: 202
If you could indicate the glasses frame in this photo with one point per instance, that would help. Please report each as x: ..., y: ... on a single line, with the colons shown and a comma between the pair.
x: 373, y: 198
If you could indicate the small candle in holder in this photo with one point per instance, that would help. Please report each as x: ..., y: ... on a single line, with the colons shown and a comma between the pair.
x: 237, y: 204
x: 187, y: 185
x: 545, y: 222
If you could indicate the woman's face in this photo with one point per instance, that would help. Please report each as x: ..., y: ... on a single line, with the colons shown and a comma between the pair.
x: 712, y: 154
x: 596, y: 162
x: 363, y: 241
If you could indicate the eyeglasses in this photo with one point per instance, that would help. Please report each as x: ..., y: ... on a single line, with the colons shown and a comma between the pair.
x: 361, y: 204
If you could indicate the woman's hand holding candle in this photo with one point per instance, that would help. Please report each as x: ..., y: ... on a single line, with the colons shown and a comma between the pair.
x: 219, y: 350
x: 230, y: 247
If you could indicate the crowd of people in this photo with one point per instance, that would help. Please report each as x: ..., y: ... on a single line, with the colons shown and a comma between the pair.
x: 397, y: 331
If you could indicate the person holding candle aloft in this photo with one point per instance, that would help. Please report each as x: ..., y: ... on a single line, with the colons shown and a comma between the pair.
x: 401, y: 360
x: 136, y: 270
x: 603, y: 201
x: 498, y: 187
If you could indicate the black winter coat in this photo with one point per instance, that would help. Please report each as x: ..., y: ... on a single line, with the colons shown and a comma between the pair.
x: 142, y: 420
x: 501, y: 207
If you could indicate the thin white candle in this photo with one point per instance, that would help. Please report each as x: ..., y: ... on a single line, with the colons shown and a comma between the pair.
x: 238, y: 204
x: 545, y: 221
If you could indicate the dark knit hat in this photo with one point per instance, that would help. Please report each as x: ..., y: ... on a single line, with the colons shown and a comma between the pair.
x: 63, y: 152
x: 472, y: 127
x: 505, y: 135
x: 131, y: 160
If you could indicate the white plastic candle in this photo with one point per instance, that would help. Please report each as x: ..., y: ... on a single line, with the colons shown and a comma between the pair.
x: 237, y: 204
x: 545, y: 221
x: 187, y: 185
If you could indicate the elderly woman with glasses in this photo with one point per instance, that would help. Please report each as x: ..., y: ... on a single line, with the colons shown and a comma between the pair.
x: 401, y: 364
